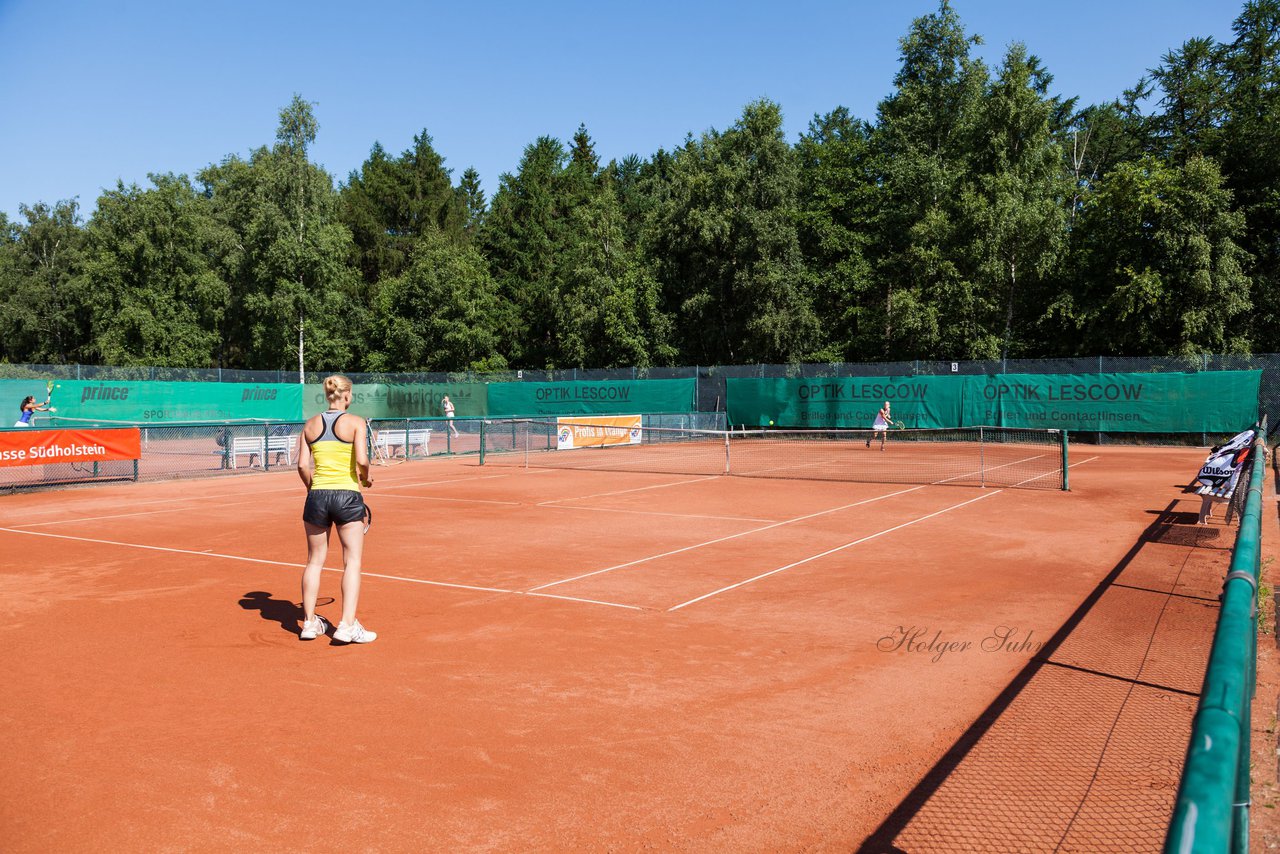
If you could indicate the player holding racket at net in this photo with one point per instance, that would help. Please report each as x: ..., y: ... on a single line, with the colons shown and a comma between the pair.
x: 334, y: 462
x: 884, y: 420
x: 28, y: 408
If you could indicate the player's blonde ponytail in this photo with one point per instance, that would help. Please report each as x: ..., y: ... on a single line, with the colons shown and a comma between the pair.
x: 335, y: 386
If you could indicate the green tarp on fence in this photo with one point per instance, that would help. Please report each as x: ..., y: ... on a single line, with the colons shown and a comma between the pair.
x: 621, y: 397
x: 1207, y: 401
x: 394, y: 400
x: 160, y: 402
x: 845, y: 402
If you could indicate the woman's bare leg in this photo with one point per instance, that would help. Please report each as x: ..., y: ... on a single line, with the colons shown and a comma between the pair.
x: 351, y: 536
x: 317, y: 551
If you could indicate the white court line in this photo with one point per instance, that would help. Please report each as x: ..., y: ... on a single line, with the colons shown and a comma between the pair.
x: 833, y: 551
x: 297, y: 489
x: 450, y: 480
x: 301, y: 565
x: 1052, y: 473
x: 722, y: 539
x: 441, y: 498
x: 129, y: 515
x: 624, y: 491
x: 589, y: 601
x: 549, y: 506
x: 62, y: 508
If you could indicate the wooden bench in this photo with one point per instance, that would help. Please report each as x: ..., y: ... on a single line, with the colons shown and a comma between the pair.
x: 386, y: 439
x: 260, y: 446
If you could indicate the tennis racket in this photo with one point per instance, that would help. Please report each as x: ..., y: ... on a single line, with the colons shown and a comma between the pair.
x: 48, y: 394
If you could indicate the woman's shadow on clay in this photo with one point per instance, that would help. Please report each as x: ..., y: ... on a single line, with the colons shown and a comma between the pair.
x: 287, y: 614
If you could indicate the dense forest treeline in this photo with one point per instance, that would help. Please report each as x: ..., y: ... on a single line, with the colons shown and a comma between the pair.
x: 976, y: 216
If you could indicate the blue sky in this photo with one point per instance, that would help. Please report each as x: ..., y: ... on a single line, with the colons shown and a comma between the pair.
x: 96, y: 92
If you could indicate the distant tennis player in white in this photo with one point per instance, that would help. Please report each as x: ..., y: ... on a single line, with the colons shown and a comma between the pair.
x: 883, y: 419
x: 447, y: 405
x: 28, y: 408
x: 334, y: 462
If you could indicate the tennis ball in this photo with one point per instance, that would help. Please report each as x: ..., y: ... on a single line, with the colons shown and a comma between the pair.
x: 770, y: 423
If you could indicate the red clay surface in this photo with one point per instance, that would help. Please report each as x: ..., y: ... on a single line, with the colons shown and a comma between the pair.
x: 572, y: 661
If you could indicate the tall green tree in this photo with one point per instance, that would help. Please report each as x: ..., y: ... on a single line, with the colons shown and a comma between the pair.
x: 1159, y: 266
x: 836, y: 207
x: 522, y: 237
x: 608, y: 306
x: 726, y: 246
x: 295, y: 300
x: 1013, y: 205
x: 1250, y: 154
x: 388, y: 204
x: 442, y: 314
x: 473, y: 201
x: 1192, y: 83
x: 45, y: 316
x: 923, y: 141
x: 150, y: 265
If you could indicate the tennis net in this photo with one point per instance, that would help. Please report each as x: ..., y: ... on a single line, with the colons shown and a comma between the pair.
x: 971, y: 456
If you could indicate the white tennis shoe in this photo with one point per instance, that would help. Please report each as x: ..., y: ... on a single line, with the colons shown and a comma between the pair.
x: 312, y: 629
x: 354, y: 633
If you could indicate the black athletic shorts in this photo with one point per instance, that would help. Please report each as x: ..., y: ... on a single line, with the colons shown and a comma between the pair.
x: 327, y: 507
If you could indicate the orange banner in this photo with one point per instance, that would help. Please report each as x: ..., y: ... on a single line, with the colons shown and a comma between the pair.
x: 40, y: 447
x: 595, y: 431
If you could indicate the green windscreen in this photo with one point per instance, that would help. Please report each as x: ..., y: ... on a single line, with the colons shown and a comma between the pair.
x: 1205, y: 402
x: 620, y: 397
x: 1208, y: 401
x: 922, y: 402
x: 405, y: 400
x: 160, y: 402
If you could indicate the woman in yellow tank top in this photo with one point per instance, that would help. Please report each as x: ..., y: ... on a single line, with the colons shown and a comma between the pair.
x: 334, y: 463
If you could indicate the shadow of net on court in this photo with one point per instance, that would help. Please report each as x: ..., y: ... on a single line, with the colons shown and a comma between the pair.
x: 1084, y: 749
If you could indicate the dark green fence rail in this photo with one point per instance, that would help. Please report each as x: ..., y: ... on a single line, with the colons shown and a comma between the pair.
x: 1211, y: 813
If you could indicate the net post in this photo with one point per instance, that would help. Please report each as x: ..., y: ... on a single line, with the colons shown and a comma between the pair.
x: 982, y: 457
x: 1066, y: 484
x: 266, y: 446
x: 726, y: 451
x: 482, y: 423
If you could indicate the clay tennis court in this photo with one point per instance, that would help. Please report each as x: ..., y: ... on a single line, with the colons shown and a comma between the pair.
x: 584, y: 660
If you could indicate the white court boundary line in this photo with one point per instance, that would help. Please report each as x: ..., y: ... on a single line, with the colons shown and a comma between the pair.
x: 59, y: 508
x: 366, y: 573
x: 625, y: 491
x: 442, y: 498
x: 129, y: 515
x: 833, y: 551
x: 255, y: 495
x: 723, y: 539
x: 546, y: 506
